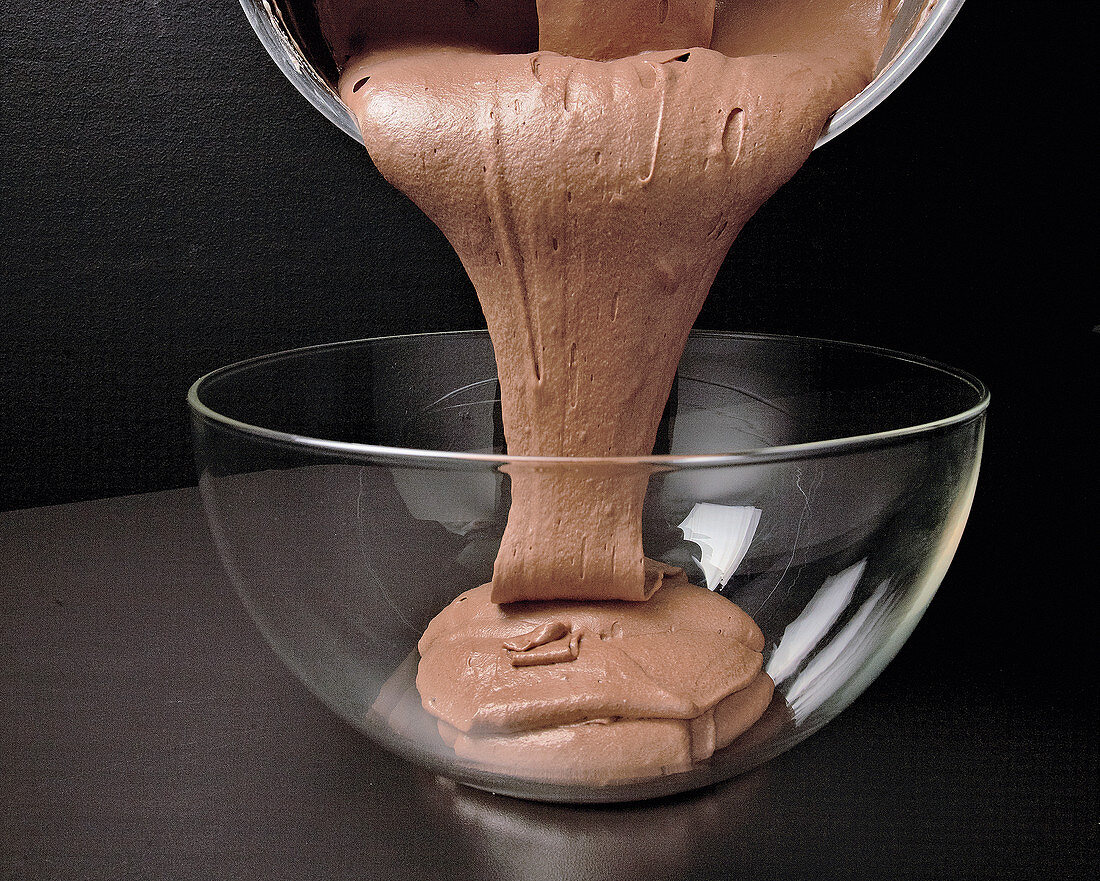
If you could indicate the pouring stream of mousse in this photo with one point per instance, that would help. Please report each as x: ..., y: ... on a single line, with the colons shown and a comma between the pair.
x: 592, y: 203
x: 591, y: 190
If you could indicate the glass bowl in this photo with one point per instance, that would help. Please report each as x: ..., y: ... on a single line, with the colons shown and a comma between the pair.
x: 355, y: 489
x: 289, y: 32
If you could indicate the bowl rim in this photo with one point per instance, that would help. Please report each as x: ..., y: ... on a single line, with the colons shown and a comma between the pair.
x: 787, y: 452
x: 914, y: 50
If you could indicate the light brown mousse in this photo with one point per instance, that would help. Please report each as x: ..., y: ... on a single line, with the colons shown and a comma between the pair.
x: 593, y: 692
x: 604, y: 31
x: 592, y: 203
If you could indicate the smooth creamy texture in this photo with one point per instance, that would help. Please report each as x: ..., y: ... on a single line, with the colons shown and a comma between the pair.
x: 604, y: 31
x: 592, y: 203
x: 849, y: 32
x: 593, y: 691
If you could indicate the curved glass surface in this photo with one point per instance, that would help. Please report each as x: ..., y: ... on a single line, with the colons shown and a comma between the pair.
x: 356, y: 489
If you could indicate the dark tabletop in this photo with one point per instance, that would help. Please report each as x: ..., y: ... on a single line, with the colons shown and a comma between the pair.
x: 146, y: 731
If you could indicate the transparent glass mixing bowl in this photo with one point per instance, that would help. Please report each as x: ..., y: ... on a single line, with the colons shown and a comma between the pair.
x: 355, y: 489
x: 289, y: 33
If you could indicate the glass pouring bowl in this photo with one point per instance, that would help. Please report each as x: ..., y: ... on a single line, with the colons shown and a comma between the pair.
x: 278, y: 24
x: 355, y: 489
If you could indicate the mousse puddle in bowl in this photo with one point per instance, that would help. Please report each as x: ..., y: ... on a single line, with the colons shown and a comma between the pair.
x: 592, y: 190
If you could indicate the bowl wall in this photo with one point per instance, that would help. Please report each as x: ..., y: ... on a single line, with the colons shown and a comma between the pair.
x: 354, y: 490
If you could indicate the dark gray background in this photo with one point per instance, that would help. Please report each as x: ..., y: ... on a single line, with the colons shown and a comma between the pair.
x: 170, y: 204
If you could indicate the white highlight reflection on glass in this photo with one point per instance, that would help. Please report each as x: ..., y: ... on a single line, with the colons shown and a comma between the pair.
x: 805, y: 632
x: 841, y: 657
x: 723, y: 533
x: 460, y: 504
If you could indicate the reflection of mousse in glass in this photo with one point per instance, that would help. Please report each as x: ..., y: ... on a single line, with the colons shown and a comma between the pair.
x: 592, y: 189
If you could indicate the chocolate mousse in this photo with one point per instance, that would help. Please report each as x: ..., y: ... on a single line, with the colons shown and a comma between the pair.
x: 592, y: 189
x: 593, y: 691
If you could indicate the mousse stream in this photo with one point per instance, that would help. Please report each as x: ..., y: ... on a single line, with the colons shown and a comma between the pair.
x: 592, y: 190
